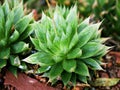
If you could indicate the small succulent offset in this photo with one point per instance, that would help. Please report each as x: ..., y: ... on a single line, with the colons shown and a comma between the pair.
x: 15, y: 26
x: 66, y: 48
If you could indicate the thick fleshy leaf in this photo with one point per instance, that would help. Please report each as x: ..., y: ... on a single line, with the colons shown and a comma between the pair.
x: 55, y: 71
x: 86, y: 34
x: 9, y: 24
x: 19, y: 47
x: 6, y: 8
x: 23, y: 66
x: 69, y: 65
x: 4, y: 53
x: 74, y: 40
x: 82, y: 69
x: 106, y: 81
x: 14, y: 36
x: 73, y: 79
x: 49, y: 42
x: 91, y: 49
x: 2, y: 21
x: 75, y: 53
x: 18, y: 12
x: 40, y: 32
x: 27, y: 32
x: 40, y: 58
x: 93, y: 64
x: 66, y: 77
x: 57, y: 58
x: 56, y: 41
x: 97, y: 33
x: 43, y: 69
x: 82, y: 78
x: 72, y: 18
x: 44, y: 47
x: 13, y: 70
x: 14, y: 60
x: 3, y: 43
x: 51, y: 47
x: 83, y: 24
x: 23, y: 23
x: 60, y: 23
x: 16, y: 2
x: 36, y: 43
x: 64, y: 43
x: 103, y: 51
x: 3, y: 63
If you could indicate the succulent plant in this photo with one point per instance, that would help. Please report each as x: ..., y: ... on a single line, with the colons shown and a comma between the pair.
x: 15, y: 26
x: 66, y: 48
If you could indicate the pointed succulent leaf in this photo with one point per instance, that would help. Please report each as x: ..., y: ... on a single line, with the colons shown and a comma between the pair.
x: 69, y: 65
x: 2, y: 23
x: 3, y: 43
x: 56, y: 41
x: 13, y: 69
x: 23, y: 66
x: 27, y: 32
x: 14, y: 3
x: 43, y: 69
x: 74, y: 41
x: 40, y: 32
x: 44, y: 47
x: 82, y: 69
x: 22, y: 24
x: 40, y: 58
x: 55, y: 71
x: 82, y: 78
x: 18, y: 12
x: 97, y: 32
x: 72, y: 18
x: 45, y: 18
x: 14, y: 60
x: 64, y: 41
x: 36, y: 43
x: 93, y: 64
x: 9, y: 23
x: 86, y: 34
x: 73, y: 79
x: 19, y: 47
x: 83, y: 24
x: 59, y: 21
x: 49, y: 42
x: 90, y: 49
x: 6, y: 8
x: 57, y: 58
x: 75, y: 53
x: 4, y: 53
x: 66, y: 77
x: 14, y: 36
x: 103, y: 51
x: 3, y: 63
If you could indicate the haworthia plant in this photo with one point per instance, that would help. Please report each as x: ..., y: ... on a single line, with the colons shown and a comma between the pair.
x: 66, y: 48
x: 15, y: 26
